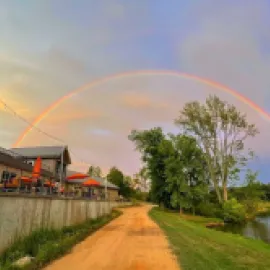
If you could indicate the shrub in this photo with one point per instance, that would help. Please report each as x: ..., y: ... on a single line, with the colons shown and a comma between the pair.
x: 233, y: 211
x: 251, y: 207
x: 208, y: 209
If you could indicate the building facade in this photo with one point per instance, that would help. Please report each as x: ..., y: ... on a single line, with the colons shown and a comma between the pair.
x: 13, y: 166
x: 55, y: 159
x: 75, y: 187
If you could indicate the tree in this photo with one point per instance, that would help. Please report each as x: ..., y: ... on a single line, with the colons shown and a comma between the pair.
x: 95, y: 171
x: 142, y: 177
x: 128, y: 180
x: 149, y: 143
x: 185, y: 171
x: 116, y: 177
x: 252, y: 192
x: 220, y: 131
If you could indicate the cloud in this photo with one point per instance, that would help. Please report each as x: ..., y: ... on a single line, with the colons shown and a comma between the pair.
x: 229, y: 46
x: 114, y: 10
x: 72, y: 114
x: 46, y: 51
x: 140, y: 101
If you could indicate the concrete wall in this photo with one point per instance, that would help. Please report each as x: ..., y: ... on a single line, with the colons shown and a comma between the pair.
x: 21, y: 215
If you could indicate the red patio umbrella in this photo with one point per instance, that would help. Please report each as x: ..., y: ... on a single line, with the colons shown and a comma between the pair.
x: 90, y: 183
x: 48, y: 183
x: 77, y: 176
x: 26, y: 179
x: 37, y: 168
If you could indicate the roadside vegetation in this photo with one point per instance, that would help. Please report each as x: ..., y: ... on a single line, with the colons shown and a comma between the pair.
x: 49, y: 244
x: 198, y: 170
x: 197, y: 247
x: 129, y: 187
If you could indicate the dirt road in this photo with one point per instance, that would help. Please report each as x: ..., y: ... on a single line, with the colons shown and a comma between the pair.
x: 132, y: 241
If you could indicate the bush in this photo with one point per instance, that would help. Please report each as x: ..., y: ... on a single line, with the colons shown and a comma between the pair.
x: 140, y: 196
x: 233, y: 211
x: 251, y: 207
x: 208, y: 209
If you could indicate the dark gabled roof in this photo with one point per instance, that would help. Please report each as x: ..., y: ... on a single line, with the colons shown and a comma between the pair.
x: 10, y: 153
x: 17, y: 163
x: 43, y: 152
x: 99, y: 179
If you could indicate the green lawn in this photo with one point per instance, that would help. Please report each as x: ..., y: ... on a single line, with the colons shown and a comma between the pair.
x: 199, y: 248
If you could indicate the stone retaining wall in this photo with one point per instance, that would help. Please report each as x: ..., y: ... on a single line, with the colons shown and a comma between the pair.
x: 20, y: 215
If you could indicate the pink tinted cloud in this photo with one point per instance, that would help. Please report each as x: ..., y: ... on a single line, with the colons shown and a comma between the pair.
x: 138, y: 101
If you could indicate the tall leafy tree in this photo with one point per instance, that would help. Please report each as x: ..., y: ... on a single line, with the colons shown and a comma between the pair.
x: 151, y: 144
x: 252, y: 192
x: 95, y: 171
x: 142, y: 177
x: 187, y: 178
x: 221, y: 131
x: 117, y: 177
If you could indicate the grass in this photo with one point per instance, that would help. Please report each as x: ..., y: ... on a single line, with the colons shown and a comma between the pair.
x: 201, y: 220
x: 49, y: 244
x: 199, y: 248
x: 134, y: 203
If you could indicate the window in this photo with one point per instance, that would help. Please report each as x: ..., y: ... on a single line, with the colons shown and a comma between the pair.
x: 31, y: 162
x: 12, y: 175
x: 7, y: 176
x: 59, y: 168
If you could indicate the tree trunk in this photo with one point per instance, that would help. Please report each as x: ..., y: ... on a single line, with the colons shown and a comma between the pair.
x: 213, y: 178
x: 181, y: 211
x: 225, y: 193
x: 217, y: 192
x: 161, y: 205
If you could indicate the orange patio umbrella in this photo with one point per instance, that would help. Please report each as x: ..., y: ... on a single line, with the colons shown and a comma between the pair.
x: 26, y: 179
x: 77, y: 176
x: 91, y: 182
x: 36, y: 170
x: 48, y: 183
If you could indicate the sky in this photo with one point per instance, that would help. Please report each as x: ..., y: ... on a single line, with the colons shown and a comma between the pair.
x: 50, y: 47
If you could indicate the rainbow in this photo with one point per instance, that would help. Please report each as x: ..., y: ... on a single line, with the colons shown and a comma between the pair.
x: 99, y: 81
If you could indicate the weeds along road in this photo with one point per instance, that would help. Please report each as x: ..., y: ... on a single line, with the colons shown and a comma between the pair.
x: 132, y: 241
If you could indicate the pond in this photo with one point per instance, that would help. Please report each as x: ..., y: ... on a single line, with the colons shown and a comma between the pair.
x: 256, y: 229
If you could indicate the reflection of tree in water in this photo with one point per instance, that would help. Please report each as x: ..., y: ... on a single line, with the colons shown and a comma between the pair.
x: 258, y: 229
x: 234, y: 228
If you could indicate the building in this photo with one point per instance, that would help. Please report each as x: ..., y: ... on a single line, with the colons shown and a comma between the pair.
x: 13, y: 166
x: 75, y: 186
x: 54, y: 158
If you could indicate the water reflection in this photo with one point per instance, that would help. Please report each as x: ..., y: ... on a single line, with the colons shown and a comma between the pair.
x: 257, y: 229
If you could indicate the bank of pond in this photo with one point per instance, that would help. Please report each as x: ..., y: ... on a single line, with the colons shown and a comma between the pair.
x: 234, y: 218
x: 258, y: 228
x: 200, y: 248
